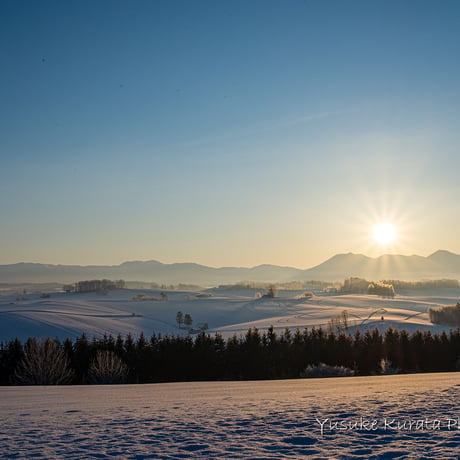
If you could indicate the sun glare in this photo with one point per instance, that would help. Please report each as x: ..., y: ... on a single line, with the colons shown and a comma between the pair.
x: 384, y: 233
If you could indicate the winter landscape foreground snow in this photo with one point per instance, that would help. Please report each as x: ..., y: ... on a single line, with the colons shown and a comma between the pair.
x: 400, y: 416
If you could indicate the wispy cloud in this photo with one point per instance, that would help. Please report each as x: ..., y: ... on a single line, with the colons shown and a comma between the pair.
x: 260, y: 128
x: 310, y: 118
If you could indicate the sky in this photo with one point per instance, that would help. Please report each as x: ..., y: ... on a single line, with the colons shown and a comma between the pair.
x: 227, y: 133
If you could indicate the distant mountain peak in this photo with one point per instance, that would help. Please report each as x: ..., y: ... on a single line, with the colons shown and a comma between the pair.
x: 140, y: 262
x: 442, y: 253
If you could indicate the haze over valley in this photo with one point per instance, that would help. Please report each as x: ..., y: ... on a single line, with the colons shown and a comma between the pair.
x: 440, y: 264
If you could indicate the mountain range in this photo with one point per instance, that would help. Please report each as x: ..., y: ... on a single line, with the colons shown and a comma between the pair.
x: 440, y: 264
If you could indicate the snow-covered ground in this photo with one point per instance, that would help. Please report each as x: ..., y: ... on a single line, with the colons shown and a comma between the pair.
x: 401, y: 416
x: 229, y: 312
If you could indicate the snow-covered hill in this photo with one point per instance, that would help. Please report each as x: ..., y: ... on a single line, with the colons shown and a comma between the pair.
x: 229, y: 312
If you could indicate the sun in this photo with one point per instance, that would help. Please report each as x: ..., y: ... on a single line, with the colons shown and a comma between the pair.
x: 384, y: 233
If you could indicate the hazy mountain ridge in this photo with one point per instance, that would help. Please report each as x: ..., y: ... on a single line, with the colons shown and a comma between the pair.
x: 440, y: 264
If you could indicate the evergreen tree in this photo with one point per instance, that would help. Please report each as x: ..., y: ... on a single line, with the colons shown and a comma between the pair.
x: 188, y: 320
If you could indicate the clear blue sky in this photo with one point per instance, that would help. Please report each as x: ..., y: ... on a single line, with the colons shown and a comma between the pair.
x: 227, y: 132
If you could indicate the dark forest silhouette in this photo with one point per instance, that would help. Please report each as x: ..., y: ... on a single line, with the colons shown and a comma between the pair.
x: 255, y: 355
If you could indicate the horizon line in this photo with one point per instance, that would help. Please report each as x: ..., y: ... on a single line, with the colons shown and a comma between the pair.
x: 225, y: 266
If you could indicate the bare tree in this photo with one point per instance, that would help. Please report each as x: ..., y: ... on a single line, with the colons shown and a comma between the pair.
x: 271, y: 292
x: 180, y: 318
x: 339, y: 323
x: 106, y: 368
x: 44, y: 363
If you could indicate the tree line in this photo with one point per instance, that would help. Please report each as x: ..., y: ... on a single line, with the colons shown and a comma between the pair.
x: 255, y: 355
x: 102, y: 286
x: 286, y: 286
x: 449, y: 315
x: 423, y: 284
x: 387, y: 288
x: 355, y: 285
x: 382, y: 289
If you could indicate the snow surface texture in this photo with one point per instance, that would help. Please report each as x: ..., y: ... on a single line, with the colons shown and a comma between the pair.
x: 228, y: 312
x: 266, y: 419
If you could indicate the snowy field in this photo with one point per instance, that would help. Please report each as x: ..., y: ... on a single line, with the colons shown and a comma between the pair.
x: 404, y: 416
x: 228, y: 312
